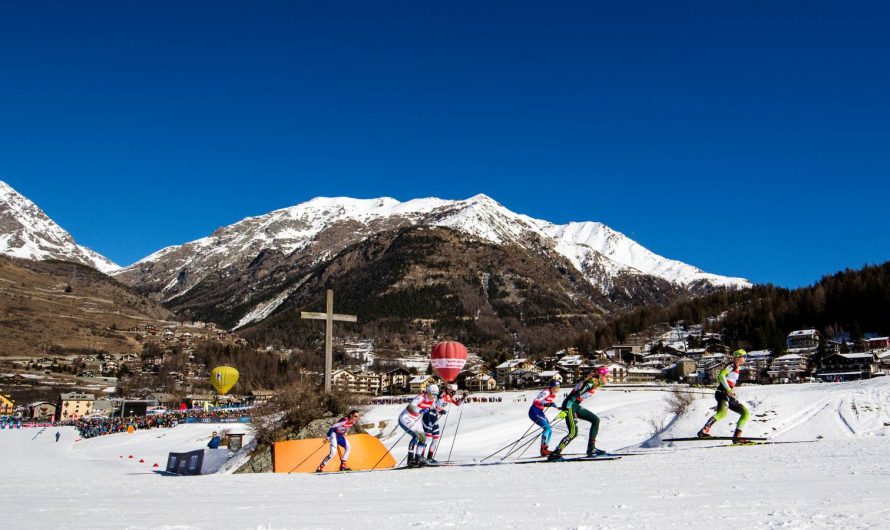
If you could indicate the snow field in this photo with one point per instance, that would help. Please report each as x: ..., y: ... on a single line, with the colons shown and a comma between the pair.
x: 840, y: 481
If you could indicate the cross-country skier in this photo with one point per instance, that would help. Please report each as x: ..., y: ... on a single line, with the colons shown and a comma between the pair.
x: 725, y: 395
x: 337, y: 436
x: 572, y: 408
x: 542, y: 402
x: 430, y: 418
x: 408, y: 421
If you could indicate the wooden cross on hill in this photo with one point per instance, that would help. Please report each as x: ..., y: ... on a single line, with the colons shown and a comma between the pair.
x: 329, y: 317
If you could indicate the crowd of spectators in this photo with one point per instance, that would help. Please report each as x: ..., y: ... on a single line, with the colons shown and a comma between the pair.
x: 399, y: 400
x: 91, y: 427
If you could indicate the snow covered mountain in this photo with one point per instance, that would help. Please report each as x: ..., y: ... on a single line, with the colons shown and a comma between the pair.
x: 26, y: 232
x: 596, y: 250
x: 248, y: 267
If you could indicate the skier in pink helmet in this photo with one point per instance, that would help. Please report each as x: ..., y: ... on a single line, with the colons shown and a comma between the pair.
x: 572, y: 408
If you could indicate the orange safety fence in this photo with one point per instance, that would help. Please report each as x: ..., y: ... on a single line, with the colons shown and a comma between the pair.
x: 304, y: 456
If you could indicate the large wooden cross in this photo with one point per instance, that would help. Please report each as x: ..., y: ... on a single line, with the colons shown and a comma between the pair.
x: 329, y: 317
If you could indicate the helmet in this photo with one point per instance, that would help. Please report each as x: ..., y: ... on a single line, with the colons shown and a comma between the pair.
x: 451, y: 387
x: 739, y: 353
x: 433, y: 389
x: 602, y: 370
x: 554, y: 383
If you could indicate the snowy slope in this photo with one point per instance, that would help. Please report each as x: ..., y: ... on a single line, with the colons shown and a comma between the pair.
x: 26, y: 232
x: 599, y: 252
x: 837, y: 482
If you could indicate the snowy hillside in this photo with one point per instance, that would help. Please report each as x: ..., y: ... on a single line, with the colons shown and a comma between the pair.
x: 839, y: 481
x: 26, y: 232
x: 599, y: 252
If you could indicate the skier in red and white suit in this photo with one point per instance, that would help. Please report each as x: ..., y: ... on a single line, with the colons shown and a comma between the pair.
x: 337, y: 436
x: 408, y: 421
x: 431, y: 417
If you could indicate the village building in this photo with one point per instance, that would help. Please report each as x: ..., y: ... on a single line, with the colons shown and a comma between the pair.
x: 618, y: 372
x: 756, y: 367
x: 42, y: 410
x: 418, y: 383
x: 163, y: 399
x: 506, y: 368
x: 682, y: 371
x: 788, y: 368
x: 848, y: 366
x: 635, y: 374
x: 7, y: 405
x: 395, y: 381
x: 480, y: 383
x: 260, y: 396
x: 74, y: 405
x: 803, y: 342
x: 873, y: 342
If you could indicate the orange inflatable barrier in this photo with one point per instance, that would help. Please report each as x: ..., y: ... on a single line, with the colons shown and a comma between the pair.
x: 303, y: 456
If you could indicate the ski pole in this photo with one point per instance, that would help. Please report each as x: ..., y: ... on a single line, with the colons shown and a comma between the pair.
x: 307, y: 458
x: 459, y: 416
x: 510, y: 443
x: 520, y: 439
x: 528, y: 444
x: 524, y: 449
x: 388, y: 451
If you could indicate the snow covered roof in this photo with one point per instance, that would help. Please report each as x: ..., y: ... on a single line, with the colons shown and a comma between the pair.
x: 759, y: 354
x: 855, y: 355
x: 803, y: 332
x: 511, y: 363
x: 789, y: 357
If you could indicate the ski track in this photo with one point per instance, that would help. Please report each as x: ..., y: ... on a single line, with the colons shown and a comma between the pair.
x: 839, y: 482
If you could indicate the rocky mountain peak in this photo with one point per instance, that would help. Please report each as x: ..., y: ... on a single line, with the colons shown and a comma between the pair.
x: 27, y: 232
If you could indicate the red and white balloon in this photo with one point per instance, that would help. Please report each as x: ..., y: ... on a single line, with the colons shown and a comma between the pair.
x: 448, y: 358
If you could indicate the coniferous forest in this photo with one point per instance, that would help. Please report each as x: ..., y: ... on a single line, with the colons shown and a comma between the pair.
x: 854, y: 302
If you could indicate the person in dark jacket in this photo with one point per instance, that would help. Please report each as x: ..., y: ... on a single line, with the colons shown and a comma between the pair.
x: 214, y: 441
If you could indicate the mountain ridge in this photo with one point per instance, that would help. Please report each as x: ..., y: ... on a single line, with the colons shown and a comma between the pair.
x: 27, y: 232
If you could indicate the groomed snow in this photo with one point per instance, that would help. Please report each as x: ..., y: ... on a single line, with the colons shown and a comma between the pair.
x: 841, y: 481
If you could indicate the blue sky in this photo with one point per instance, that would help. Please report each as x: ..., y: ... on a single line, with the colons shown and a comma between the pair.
x: 749, y: 140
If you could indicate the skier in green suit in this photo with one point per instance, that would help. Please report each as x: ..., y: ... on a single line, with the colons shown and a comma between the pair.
x: 572, y: 409
x: 725, y: 396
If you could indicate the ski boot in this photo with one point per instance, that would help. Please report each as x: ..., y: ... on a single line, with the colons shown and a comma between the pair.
x: 421, y: 461
x: 592, y: 451
x: 554, y: 456
x: 344, y: 467
x: 320, y: 469
x: 545, y: 451
x: 704, y: 433
x: 737, y: 438
x: 412, y: 460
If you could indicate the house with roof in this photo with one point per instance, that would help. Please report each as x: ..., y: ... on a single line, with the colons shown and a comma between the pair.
x: 418, y: 383
x: 637, y: 374
x: 803, y: 341
x: 872, y: 341
x: 42, y: 410
x: 506, y: 368
x: 756, y: 367
x: 395, y: 381
x: 7, y: 405
x: 261, y: 396
x: 73, y: 405
x: 789, y: 368
x: 848, y: 366
x: 480, y: 383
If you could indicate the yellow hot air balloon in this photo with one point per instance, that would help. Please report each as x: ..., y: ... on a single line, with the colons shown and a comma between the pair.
x: 223, y: 378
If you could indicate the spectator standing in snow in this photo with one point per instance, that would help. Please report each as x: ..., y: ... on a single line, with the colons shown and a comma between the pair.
x: 214, y: 441
x: 58, y: 434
